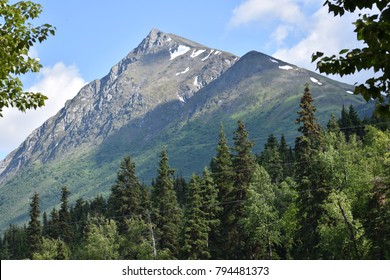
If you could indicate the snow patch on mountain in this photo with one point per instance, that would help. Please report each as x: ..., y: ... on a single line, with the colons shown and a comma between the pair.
x: 197, y: 83
x: 179, y: 51
x: 195, y: 53
x: 314, y: 80
x: 183, y: 72
x: 181, y: 98
x: 203, y: 59
x: 286, y: 67
x: 274, y: 61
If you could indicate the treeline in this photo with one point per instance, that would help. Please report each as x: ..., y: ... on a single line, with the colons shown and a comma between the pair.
x: 325, y: 198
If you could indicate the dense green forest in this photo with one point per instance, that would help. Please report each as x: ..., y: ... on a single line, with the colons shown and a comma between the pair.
x: 327, y: 197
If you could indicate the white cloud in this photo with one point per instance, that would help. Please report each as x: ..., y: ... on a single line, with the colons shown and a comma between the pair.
x: 299, y: 29
x: 281, y: 33
x: 327, y: 34
x: 59, y: 83
x: 287, y: 11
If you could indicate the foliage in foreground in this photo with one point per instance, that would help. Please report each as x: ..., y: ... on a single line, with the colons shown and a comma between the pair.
x: 325, y: 198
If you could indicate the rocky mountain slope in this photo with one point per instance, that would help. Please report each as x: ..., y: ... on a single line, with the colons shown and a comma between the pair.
x: 169, y: 91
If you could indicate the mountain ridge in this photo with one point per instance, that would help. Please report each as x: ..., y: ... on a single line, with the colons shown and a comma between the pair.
x: 157, y: 44
x: 168, y: 91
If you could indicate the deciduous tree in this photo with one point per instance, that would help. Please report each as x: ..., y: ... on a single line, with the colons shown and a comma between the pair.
x: 17, y: 37
x: 372, y: 29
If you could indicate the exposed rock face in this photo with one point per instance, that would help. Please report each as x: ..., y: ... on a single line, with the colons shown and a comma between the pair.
x: 164, y: 67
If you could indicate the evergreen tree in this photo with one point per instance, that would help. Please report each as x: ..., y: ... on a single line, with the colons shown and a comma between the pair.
x: 287, y: 157
x: 244, y: 166
x: 181, y: 190
x: 271, y: 160
x: 17, y: 239
x: 53, y: 225
x: 308, y: 174
x: 166, y: 210
x: 45, y: 223
x: 79, y: 214
x: 223, y: 176
x: 64, y: 218
x: 333, y: 125
x: 345, y: 123
x: 195, y: 228
x: 243, y: 160
x: 309, y: 128
x: 5, y: 253
x: 34, y: 229
x: 222, y: 169
x: 98, y: 206
x: 210, y: 203
x: 126, y: 194
x: 356, y: 123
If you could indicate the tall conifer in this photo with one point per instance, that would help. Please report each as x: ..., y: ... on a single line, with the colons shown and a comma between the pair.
x: 271, y: 160
x: 166, y: 210
x: 126, y: 195
x: 223, y: 176
x: 196, y: 227
x: 34, y: 229
x: 65, y: 226
x: 311, y: 193
x: 244, y: 165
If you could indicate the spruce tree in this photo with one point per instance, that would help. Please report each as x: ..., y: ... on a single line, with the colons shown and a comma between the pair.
x: 126, y: 195
x: 196, y: 227
x: 356, y: 123
x: 45, y: 223
x: 308, y: 126
x: 34, y: 229
x: 166, y: 210
x: 53, y: 225
x: 223, y: 176
x: 271, y: 160
x: 243, y: 160
x: 345, y: 123
x: 5, y: 253
x: 308, y: 175
x: 210, y: 204
x: 79, y: 214
x: 17, y: 239
x: 181, y: 190
x: 287, y: 157
x: 244, y: 166
x: 65, y: 226
x: 213, y: 210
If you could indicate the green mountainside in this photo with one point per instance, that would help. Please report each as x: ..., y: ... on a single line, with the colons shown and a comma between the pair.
x: 169, y: 91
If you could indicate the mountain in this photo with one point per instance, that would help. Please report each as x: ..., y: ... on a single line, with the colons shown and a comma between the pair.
x: 169, y: 91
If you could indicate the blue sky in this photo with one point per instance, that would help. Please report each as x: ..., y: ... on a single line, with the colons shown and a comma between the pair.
x: 93, y: 35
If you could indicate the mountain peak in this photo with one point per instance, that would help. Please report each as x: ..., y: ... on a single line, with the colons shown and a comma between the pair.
x: 154, y: 40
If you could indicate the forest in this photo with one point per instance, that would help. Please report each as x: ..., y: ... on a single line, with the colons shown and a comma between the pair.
x: 325, y: 197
